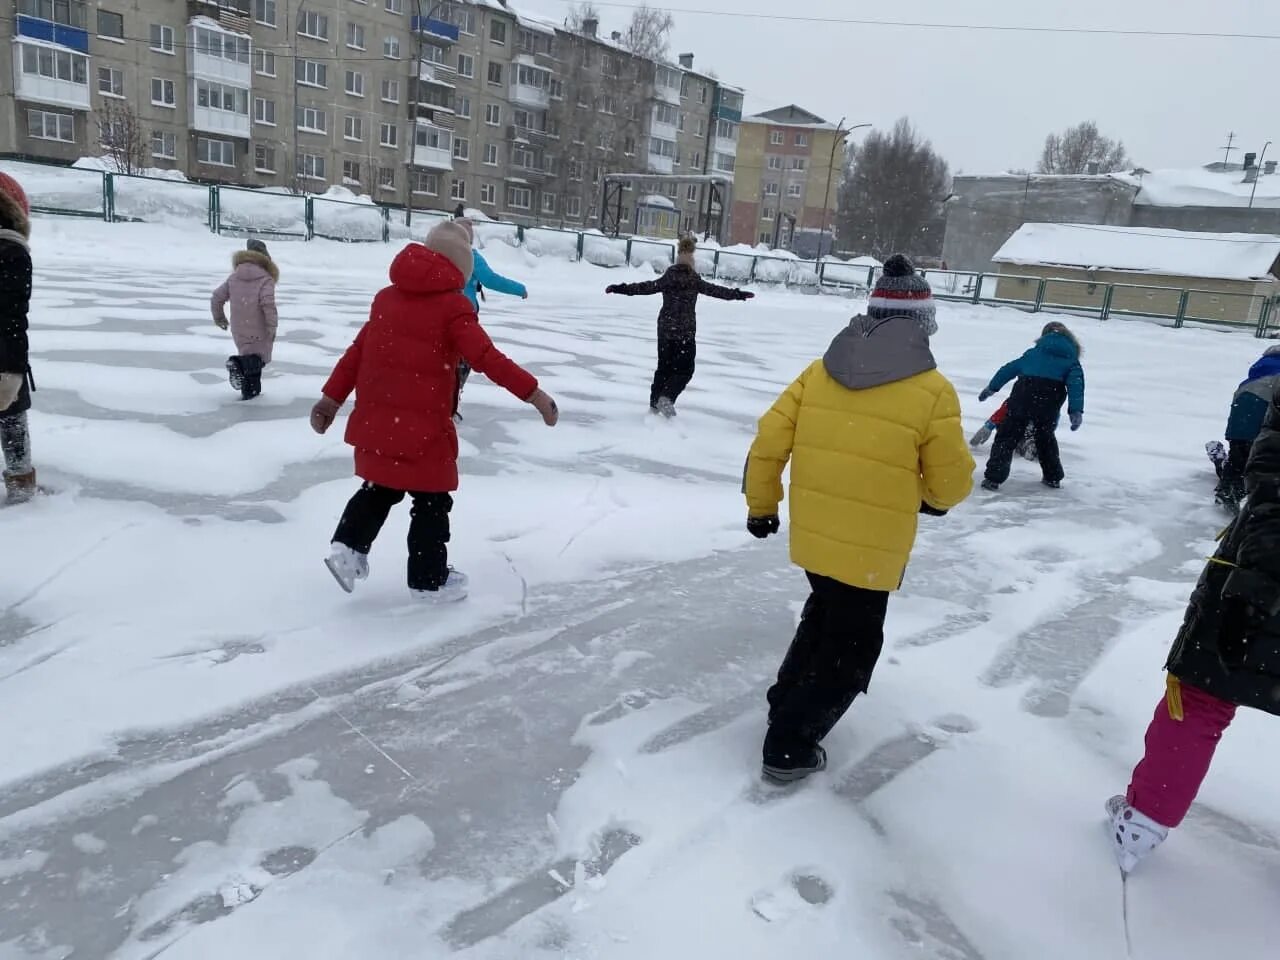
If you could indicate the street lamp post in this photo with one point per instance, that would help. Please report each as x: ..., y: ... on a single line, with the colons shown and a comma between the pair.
x: 836, y: 140
x: 1254, y: 191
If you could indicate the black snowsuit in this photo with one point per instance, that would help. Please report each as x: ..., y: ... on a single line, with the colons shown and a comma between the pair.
x: 15, y: 300
x: 677, y: 324
x: 1229, y: 644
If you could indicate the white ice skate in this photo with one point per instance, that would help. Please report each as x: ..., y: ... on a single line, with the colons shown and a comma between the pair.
x: 454, y: 589
x: 347, y: 566
x: 1136, y: 834
x: 666, y: 406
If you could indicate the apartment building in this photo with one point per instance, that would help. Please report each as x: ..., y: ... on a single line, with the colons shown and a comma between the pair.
x: 431, y: 103
x: 788, y: 167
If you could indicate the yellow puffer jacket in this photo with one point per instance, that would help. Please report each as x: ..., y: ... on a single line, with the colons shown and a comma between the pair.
x: 862, y: 462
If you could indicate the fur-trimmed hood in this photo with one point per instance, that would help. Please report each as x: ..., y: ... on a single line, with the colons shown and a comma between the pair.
x: 241, y: 257
x: 13, y: 217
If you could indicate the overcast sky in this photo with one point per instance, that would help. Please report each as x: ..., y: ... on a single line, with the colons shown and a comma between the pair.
x: 986, y: 99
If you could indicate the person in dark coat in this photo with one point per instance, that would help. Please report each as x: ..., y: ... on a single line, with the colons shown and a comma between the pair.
x: 1248, y: 409
x: 677, y: 323
x: 1047, y: 374
x: 1226, y: 655
x: 15, y: 367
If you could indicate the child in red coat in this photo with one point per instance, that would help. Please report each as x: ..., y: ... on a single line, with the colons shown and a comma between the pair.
x: 402, y: 367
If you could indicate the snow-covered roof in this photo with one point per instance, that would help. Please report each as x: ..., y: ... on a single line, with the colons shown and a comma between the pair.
x: 1178, y: 253
x: 207, y: 23
x: 657, y: 200
x: 1203, y: 188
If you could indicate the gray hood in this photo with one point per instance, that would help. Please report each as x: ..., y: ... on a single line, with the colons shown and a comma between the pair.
x: 870, y: 353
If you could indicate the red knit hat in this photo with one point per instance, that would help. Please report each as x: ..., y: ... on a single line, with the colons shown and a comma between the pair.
x: 13, y: 190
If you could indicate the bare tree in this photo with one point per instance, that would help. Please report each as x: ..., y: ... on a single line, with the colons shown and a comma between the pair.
x: 892, y: 194
x: 1082, y: 149
x: 580, y: 14
x: 121, y: 135
x: 649, y: 32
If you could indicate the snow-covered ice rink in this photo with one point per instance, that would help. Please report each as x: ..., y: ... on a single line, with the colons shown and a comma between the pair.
x: 212, y: 752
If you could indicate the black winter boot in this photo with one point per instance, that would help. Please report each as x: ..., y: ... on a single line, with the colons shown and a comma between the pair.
x: 235, y: 373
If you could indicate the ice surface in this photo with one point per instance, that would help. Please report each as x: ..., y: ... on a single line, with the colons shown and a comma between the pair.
x: 213, y: 752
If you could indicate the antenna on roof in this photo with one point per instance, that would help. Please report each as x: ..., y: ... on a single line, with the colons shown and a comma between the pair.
x: 1226, y: 151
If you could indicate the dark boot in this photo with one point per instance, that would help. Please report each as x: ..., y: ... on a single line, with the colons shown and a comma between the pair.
x: 251, y: 385
x: 235, y: 373
x: 20, y: 488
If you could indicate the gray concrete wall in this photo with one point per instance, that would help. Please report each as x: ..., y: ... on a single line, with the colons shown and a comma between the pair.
x: 984, y: 212
x: 1208, y: 219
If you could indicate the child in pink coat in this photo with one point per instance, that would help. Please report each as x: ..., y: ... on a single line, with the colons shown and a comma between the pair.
x: 251, y: 291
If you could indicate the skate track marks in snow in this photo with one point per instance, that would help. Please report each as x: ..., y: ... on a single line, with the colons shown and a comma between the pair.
x: 214, y: 753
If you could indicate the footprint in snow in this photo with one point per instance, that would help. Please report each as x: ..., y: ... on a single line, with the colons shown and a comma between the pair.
x: 802, y: 891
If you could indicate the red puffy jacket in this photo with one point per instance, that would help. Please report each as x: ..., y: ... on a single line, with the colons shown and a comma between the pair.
x: 403, y: 368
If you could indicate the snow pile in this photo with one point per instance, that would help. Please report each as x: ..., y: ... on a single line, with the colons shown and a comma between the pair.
x: 58, y: 188
x: 259, y: 211
x: 1203, y: 188
x: 107, y: 165
x: 1178, y: 253
x: 160, y: 201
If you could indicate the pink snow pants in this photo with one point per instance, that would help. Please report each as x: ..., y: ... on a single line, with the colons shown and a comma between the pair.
x: 1165, y: 782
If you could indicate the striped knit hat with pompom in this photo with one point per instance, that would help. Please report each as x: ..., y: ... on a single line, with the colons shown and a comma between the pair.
x: 901, y: 292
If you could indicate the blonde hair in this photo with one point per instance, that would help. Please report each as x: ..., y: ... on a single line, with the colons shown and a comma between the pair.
x: 687, y: 245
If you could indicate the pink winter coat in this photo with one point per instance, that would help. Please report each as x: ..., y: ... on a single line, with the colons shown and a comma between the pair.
x: 251, y: 290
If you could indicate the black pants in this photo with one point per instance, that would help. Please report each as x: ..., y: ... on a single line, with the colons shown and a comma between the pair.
x: 675, y: 368
x: 1231, y: 475
x: 1035, y: 403
x: 830, y: 662
x: 428, y: 530
x: 250, y: 367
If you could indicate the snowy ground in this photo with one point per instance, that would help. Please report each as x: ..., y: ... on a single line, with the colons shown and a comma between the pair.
x: 213, y: 752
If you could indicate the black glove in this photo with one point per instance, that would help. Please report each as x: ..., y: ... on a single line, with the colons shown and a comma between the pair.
x: 1076, y: 420
x: 986, y: 394
x: 761, y: 527
x: 929, y: 511
x: 746, y: 295
x: 611, y: 288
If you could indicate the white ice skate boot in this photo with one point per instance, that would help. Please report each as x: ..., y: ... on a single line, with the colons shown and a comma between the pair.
x: 1136, y: 834
x: 347, y: 566
x: 454, y: 589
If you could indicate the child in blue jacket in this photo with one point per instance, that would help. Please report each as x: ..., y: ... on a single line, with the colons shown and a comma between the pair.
x: 1047, y: 374
x: 1248, y: 409
x: 482, y: 277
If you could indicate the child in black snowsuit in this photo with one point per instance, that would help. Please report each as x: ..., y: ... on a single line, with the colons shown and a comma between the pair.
x: 15, y: 371
x: 677, y: 323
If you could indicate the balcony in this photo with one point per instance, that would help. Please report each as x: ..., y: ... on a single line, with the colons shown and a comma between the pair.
x: 669, y: 95
x: 236, y: 15
x: 45, y: 73
x: 224, y: 123
x: 219, y: 54
x: 723, y: 112
x: 432, y: 147
x: 48, y: 31
x: 531, y: 135
x: 660, y: 164
x: 725, y: 145
x: 436, y: 31
x: 528, y: 95
x: 438, y: 73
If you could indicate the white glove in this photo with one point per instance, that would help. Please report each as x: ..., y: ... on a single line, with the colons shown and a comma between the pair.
x: 10, y: 387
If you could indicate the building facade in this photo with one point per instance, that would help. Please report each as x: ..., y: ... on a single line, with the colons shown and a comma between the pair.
x: 433, y: 104
x: 787, y: 174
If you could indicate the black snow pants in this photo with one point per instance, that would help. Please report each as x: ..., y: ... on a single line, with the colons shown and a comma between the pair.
x: 676, y: 357
x: 1035, y: 402
x: 1231, y: 475
x: 829, y: 663
x: 428, y: 530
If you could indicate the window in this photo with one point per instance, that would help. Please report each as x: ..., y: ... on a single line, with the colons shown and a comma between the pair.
x: 519, y: 198
x: 311, y: 120
x: 795, y: 189
x: 393, y: 6
x: 492, y: 114
x: 495, y: 74
x: 264, y: 158
x: 222, y: 46
x: 770, y: 189
x: 774, y: 163
x: 264, y: 111
x: 802, y: 139
x: 497, y: 32
x: 264, y: 11
x: 696, y: 160
x: 390, y: 91
x: 488, y: 194
x: 549, y: 203
x: 466, y: 65
x: 355, y: 36
x: 665, y: 113
x: 766, y: 213
x: 464, y: 108
x: 353, y: 128
x: 458, y: 189
x: 461, y: 149
x: 110, y: 25
x: 164, y: 145
x: 351, y: 172
x: 692, y: 194
x: 661, y: 148
x: 110, y: 82
x: 726, y: 162
x: 220, y: 153
x: 162, y: 39
x: 45, y: 125
x: 667, y: 77
x: 55, y: 64
x: 423, y: 182
x: 162, y: 92
x: 702, y: 128
x: 702, y: 94
x: 557, y: 89
x: 573, y: 207
x: 491, y: 154
x: 776, y: 138
x: 575, y: 171
x: 217, y: 96
x: 726, y: 129
x: 684, y: 86
x: 309, y: 73
x: 389, y: 135
x: 266, y: 66
x: 764, y: 239
x: 604, y: 140
x: 313, y: 25
x: 310, y: 166
x: 609, y: 65
x: 608, y: 105
x: 461, y: 17
x: 391, y: 48
x: 799, y: 163
x: 629, y: 146
x: 680, y: 121
x: 355, y: 83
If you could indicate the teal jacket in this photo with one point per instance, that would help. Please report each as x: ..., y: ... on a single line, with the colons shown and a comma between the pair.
x: 483, y: 275
x: 1054, y: 357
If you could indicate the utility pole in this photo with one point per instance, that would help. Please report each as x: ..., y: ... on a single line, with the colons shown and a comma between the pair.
x: 1258, y: 173
x: 1226, y: 151
x: 837, y: 138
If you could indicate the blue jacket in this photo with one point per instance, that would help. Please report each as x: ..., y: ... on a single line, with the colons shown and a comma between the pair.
x: 1054, y: 357
x: 484, y: 275
x: 1253, y: 397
